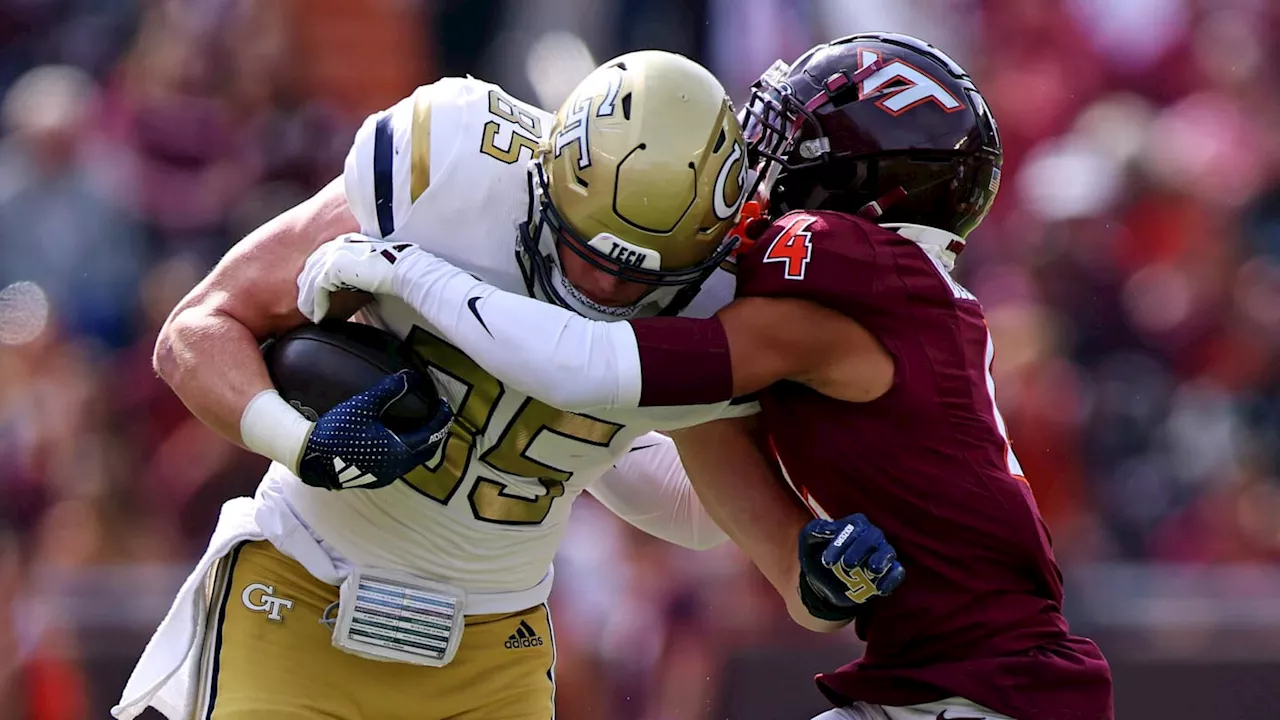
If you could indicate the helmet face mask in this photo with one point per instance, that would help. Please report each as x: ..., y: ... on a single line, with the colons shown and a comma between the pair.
x: 641, y: 176
x: 880, y: 125
x: 538, y: 252
x: 773, y: 119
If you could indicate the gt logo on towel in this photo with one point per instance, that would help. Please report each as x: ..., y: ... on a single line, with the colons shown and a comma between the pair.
x: 268, y: 603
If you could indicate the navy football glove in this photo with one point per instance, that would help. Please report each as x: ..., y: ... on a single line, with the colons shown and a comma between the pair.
x: 350, y: 447
x: 843, y: 564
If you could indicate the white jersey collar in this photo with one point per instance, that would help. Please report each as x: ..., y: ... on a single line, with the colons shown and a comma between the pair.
x: 934, y: 242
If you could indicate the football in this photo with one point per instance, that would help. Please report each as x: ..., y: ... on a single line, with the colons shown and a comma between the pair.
x: 318, y: 366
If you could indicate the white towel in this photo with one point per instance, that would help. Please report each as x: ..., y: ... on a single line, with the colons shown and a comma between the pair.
x: 166, y: 676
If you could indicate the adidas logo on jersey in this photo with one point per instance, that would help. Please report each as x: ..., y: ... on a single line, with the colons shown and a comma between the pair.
x: 523, y: 637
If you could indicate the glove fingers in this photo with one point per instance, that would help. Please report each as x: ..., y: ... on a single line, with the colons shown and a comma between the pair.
x: 319, y: 305
x: 891, y: 579
x: 390, y: 389
x: 813, y: 537
x: 857, y: 551
x: 881, y: 560
x: 819, y: 528
x: 425, y: 439
x: 844, y: 534
x: 310, y: 300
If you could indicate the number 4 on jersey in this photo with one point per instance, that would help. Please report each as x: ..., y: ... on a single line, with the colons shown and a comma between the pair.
x: 793, y: 247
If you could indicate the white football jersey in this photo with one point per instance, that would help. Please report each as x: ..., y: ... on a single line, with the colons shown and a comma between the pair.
x: 447, y: 169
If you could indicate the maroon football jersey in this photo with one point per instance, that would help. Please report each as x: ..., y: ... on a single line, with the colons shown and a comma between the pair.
x: 979, y: 615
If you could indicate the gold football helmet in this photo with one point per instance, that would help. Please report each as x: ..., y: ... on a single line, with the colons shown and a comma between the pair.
x: 642, y: 175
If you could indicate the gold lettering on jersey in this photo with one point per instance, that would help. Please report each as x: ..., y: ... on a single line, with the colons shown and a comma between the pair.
x: 420, y: 152
x: 441, y: 480
x: 490, y: 499
x: 510, y: 453
x: 505, y: 109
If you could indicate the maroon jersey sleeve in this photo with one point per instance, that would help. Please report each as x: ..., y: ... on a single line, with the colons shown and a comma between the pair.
x: 828, y: 258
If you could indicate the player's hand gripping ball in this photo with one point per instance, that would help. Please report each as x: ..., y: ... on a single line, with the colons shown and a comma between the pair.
x: 377, y: 415
x: 843, y: 564
x: 351, y: 447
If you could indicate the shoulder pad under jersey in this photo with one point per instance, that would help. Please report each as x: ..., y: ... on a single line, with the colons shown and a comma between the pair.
x: 438, y: 134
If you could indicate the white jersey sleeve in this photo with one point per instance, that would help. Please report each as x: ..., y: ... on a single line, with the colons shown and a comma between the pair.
x: 650, y: 489
x: 565, y: 360
x: 437, y: 137
x: 389, y: 163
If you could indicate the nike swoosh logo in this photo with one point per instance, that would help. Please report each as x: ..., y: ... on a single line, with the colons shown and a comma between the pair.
x: 641, y: 447
x: 471, y: 304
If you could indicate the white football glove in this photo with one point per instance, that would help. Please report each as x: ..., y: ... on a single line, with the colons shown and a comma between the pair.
x: 348, y: 262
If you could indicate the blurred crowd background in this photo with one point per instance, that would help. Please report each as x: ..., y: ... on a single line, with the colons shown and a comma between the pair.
x: 1130, y: 272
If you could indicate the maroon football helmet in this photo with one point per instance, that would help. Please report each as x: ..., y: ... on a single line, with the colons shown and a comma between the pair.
x: 881, y: 125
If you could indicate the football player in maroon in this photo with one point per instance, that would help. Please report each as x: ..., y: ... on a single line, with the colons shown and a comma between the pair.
x: 877, y: 156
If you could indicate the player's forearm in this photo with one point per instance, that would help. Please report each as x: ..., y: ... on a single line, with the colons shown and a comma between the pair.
x: 562, y: 358
x: 213, y: 364
x: 208, y: 350
x: 750, y: 503
x: 769, y: 539
x: 540, y: 349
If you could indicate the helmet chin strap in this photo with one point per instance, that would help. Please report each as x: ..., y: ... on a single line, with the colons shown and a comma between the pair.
x: 553, y: 287
x: 578, y: 301
x: 573, y: 298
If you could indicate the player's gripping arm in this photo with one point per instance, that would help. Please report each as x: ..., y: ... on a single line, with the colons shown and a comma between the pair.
x: 207, y: 350
x: 650, y: 489
x: 578, y: 364
x: 743, y: 493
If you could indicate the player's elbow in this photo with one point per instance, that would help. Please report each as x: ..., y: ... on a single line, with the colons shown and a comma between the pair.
x: 162, y: 355
x: 199, y: 321
x: 166, y: 356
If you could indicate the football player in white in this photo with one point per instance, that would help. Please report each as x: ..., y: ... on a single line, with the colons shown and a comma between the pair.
x: 422, y: 593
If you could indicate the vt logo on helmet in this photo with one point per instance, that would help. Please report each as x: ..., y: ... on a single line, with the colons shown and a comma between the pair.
x: 880, y: 125
x: 641, y: 176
